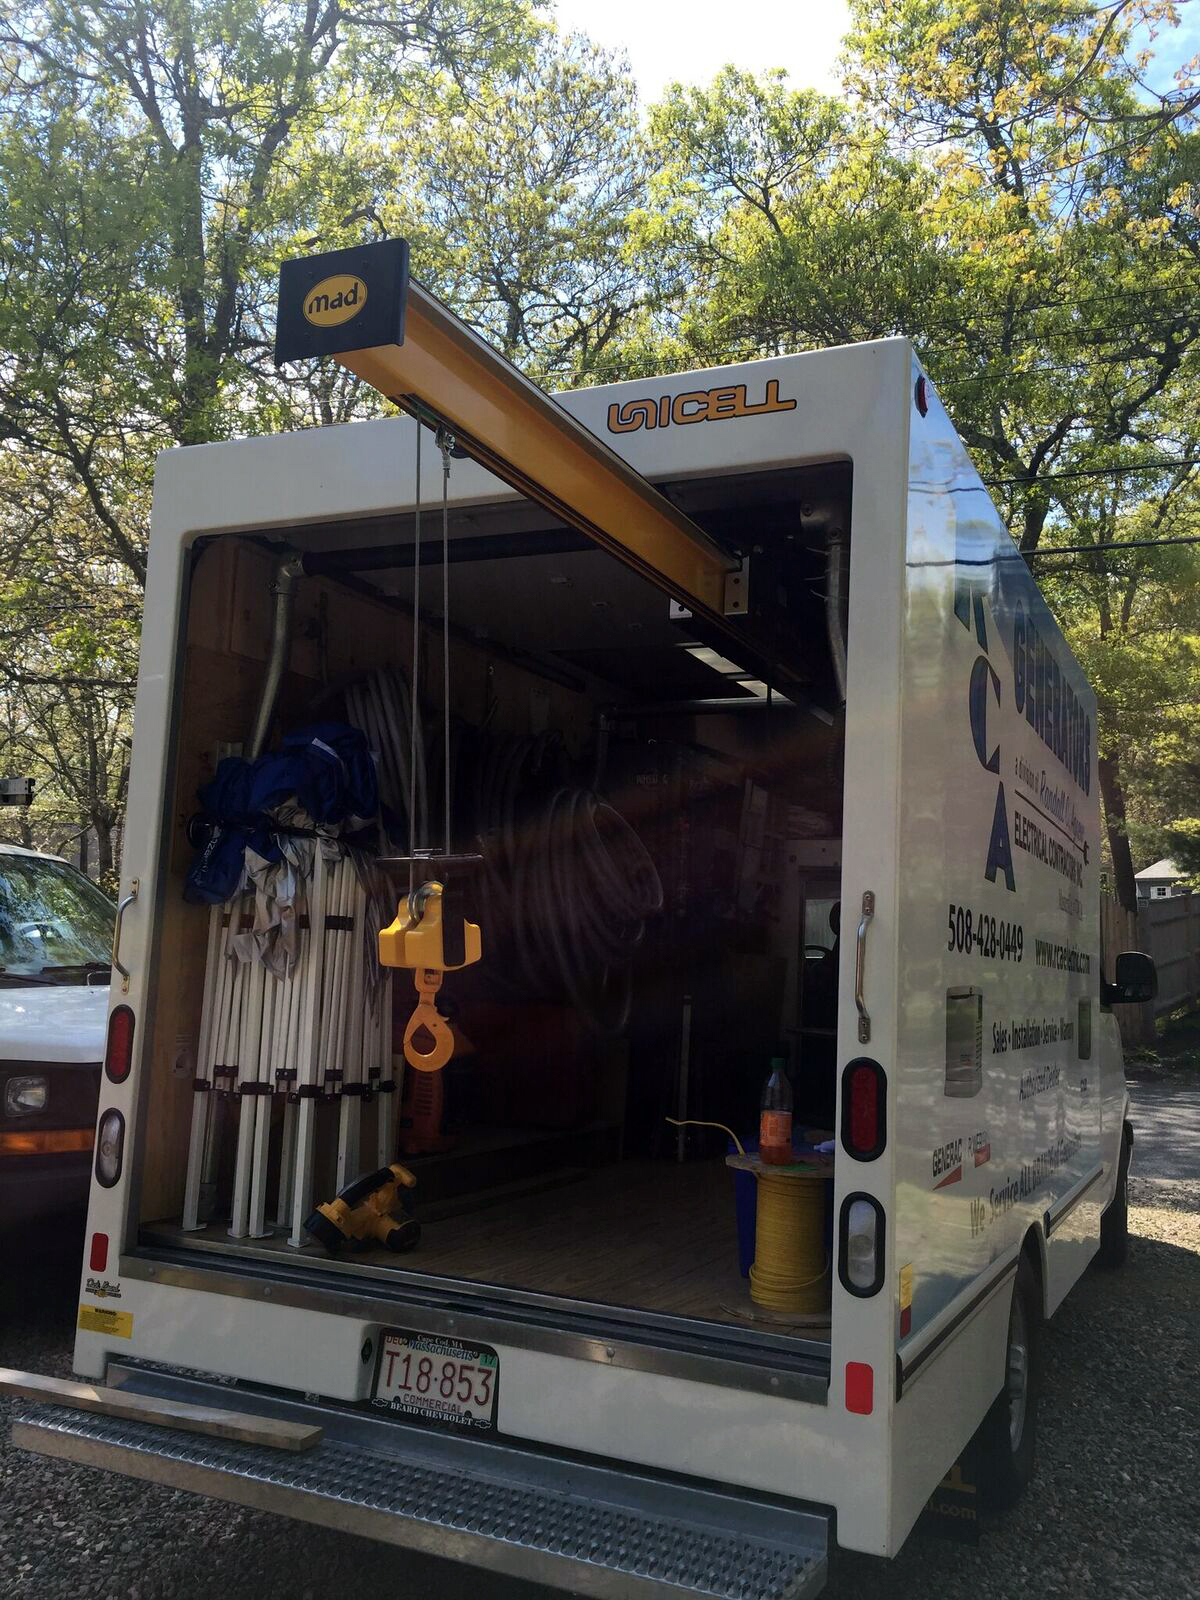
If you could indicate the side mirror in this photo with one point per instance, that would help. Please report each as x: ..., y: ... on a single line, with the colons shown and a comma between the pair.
x: 1136, y: 980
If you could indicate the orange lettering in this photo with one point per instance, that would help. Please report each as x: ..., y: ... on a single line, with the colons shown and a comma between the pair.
x: 632, y: 415
x: 695, y: 397
x: 726, y: 402
x: 772, y: 401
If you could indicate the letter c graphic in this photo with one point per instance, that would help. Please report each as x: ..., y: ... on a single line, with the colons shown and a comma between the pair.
x: 980, y: 673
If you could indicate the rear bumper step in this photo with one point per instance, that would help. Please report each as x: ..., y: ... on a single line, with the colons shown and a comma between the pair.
x: 542, y: 1518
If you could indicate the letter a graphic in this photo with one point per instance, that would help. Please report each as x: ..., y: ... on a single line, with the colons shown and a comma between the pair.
x: 1000, y: 847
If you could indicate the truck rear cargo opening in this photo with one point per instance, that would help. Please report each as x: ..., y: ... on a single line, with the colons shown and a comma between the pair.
x: 785, y: 769
x: 658, y: 821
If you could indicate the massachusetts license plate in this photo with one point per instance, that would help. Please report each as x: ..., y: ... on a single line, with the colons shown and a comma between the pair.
x: 424, y: 1378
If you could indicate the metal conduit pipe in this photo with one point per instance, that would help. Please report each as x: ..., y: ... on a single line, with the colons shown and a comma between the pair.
x: 288, y: 571
x: 835, y: 589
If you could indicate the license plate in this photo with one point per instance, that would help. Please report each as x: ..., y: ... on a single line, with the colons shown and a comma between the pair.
x: 424, y: 1378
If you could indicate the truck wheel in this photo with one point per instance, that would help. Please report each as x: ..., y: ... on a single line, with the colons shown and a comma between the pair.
x: 1114, y: 1224
x: 1006, y: 1437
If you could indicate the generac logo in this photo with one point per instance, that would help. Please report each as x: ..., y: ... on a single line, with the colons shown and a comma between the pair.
x: 335, y: 300
x: 695, y: 405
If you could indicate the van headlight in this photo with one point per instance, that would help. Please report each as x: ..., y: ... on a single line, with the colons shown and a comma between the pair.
x: 23, y: 1096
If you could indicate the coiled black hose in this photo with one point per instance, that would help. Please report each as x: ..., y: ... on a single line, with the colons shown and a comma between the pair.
x: 567, y: 885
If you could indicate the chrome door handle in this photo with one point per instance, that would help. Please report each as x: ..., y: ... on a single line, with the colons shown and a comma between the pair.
x: 860, y: 967
x: 122, y: 907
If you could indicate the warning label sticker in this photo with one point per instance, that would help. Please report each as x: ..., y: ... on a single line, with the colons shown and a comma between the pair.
x: 99, y: 1319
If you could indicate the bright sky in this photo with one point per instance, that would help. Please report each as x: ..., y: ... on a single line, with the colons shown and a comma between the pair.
x: 689, y: 41
x: 669, y: 41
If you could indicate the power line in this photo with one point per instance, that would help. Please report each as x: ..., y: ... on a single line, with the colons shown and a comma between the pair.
x: 1094, y: 472
x: 1103, y: 549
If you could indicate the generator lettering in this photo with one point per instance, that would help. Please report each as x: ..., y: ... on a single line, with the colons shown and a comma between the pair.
x: 1051, y: 707
x: 694, y: 405
x: 947, y: 1156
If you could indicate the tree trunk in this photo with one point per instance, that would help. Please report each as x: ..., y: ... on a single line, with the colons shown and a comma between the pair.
x: 1113, y: 796
x: 104, y: 850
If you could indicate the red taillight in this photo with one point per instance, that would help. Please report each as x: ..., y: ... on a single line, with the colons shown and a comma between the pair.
x: 118, y: 1054
x: 98, y: 1257
x: 860, y: 1388
x: 864, y: 1109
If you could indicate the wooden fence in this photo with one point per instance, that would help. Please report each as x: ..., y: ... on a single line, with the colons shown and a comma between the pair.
x: 1168, y: 930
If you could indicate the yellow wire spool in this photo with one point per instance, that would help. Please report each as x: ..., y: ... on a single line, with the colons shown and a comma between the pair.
x: 788, y: 1274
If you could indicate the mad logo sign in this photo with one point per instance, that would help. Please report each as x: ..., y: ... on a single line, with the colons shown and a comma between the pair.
x: 342, y: 300
x: 335, y: 300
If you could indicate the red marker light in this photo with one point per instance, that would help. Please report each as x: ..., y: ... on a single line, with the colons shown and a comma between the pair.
x: 864, y: 1109
x: 98, y: 1256
x: 118, y: 1054
x: 860, y: 1388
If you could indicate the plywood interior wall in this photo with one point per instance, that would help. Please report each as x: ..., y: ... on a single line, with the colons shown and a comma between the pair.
x: 336, y: 634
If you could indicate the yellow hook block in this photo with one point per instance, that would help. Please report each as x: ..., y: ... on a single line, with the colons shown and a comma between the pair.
x: 418, y: 942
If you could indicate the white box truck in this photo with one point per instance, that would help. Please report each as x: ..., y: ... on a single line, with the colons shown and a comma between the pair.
x: 868, y: 795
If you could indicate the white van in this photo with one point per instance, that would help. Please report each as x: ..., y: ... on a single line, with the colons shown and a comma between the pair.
x: 869, y: 800
x: 55, y: 937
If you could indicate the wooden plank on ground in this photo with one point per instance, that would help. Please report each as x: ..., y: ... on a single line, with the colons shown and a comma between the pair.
x: 273, y: 1432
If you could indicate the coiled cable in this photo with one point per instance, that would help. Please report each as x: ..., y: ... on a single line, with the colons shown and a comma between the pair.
x: 567, y: 884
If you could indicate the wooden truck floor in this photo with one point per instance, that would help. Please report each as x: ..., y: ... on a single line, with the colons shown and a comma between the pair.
x: 651, y: 1236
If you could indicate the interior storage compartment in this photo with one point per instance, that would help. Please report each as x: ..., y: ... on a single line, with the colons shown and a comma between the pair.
x: 654, y: 802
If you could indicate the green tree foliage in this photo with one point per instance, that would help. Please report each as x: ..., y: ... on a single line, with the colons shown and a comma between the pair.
x: 156, y: 163
x: 778, y: 220
x: 1001, y: 188
x: 518, y: 199
x: 997, y: 183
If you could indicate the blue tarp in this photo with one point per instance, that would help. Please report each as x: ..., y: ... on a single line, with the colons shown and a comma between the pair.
x: 327, y: 768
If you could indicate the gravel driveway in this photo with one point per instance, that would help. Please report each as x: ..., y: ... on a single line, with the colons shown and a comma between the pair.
x: 1112, y: 1513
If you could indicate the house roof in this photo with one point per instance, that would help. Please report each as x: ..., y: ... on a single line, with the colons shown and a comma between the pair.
x: 1160, y: 869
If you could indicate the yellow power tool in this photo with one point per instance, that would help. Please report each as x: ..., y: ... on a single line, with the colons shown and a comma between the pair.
x: 365, y: 1214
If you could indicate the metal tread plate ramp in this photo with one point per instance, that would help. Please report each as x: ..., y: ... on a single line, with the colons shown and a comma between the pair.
x: 619, y: 1535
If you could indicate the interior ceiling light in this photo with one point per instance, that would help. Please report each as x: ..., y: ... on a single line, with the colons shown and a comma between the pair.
x: 732, y: 673
x: 718, y: 662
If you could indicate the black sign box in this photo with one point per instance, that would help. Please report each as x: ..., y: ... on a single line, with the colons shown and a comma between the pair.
x: 343, y: 300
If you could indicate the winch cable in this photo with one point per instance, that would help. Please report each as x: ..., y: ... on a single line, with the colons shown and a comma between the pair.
x: 414, y: 683
x: 444, y: 444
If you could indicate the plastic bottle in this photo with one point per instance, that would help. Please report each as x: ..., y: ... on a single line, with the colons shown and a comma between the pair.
x: 775, y: 1122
